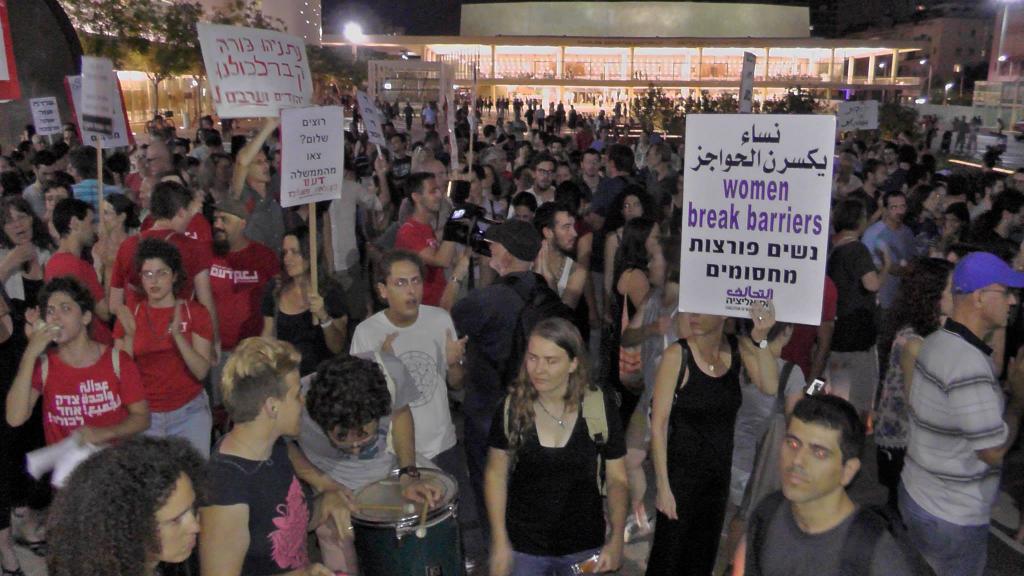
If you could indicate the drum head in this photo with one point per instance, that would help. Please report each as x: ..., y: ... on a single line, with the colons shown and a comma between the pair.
x: 381, y: 502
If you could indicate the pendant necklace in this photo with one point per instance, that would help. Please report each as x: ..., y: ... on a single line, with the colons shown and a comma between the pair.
x: 559, y: 421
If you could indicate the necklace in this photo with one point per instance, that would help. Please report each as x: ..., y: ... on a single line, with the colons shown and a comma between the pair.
x: 560, y: 419
x: 708, y: 359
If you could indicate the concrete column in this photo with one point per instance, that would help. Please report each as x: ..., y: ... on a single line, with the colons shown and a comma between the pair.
x: 895, y: 66
x: 851, y: 63
x: 871, y: 69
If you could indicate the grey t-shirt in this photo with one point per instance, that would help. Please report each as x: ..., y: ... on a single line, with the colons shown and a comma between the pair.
x: 789, y: 551
x: 373, y: 462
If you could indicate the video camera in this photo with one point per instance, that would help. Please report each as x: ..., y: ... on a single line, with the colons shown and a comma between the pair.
x: 468, y: 222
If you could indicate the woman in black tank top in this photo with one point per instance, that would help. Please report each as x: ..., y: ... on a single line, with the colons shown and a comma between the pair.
x: 696, y: 398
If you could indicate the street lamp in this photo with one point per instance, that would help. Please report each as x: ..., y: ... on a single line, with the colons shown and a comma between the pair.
x: 945, y: 99
x: 1002, y: 33
x: 928, y: 93
x: 353, y: 32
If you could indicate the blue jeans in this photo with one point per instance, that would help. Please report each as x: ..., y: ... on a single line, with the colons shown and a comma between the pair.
x: 950, y: 549
x: 530, y: 565
x: 192, y: 422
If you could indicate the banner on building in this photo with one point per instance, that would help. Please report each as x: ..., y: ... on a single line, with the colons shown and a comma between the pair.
x: 254, y: 73
x: 9, y: 88
x: 312, y: 154
x: 747, y: 83
x: 756, y: 214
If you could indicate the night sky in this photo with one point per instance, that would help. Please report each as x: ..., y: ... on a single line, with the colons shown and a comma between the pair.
x: 421, y: 17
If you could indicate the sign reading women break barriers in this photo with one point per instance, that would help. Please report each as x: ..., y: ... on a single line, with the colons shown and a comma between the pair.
x: 253, y: 72
x: 756, y: 214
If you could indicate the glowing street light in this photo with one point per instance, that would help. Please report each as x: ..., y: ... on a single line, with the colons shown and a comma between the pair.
x: 1002, y: 58
x: 945, y: 98
x: 353, y: 32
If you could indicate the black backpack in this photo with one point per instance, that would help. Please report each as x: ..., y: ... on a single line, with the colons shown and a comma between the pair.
x: 540, y: 302
x: 868, y: 526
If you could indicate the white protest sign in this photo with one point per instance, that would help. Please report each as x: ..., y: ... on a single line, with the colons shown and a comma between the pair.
x: 254, y: 73
x: 372, y: 122
x: 312, y: 154
x: 45, y: 115
x: 747, y: 83
x: 862, y: 115
x: 96, y: 111
x: 122, y: 136
x: 756, y: 214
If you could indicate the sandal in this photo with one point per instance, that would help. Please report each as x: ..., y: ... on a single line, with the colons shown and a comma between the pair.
x: 38, y: 547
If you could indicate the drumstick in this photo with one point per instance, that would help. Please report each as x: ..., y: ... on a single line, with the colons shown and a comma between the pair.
x: 421, y: 532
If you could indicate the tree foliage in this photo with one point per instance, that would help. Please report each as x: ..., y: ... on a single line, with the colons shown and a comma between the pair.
x: 894, y: 118
x: 112, y: 28
x: 245, y: 13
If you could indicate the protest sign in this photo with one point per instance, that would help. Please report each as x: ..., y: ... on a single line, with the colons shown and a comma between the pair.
x: 747, y: 83
x: 121, y: 136
x: 312, y: 154
x: 254, y: 73
x: 862, y: 115
x: 372, y: 122
x: 45, y: 115
x: 756, y: 214
x: 96, y: 110
x: 9, y: 87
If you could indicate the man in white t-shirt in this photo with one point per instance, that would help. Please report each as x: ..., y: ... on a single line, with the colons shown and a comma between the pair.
x: 424, y: 339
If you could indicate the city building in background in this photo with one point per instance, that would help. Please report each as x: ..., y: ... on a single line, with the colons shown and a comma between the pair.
x: 684, y: 48
x: 1002, y: 95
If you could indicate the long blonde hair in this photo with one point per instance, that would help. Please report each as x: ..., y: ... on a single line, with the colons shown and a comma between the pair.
x: 522, y: 394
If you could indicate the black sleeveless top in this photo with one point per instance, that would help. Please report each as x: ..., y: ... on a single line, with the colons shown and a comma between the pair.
x: 702, y: 420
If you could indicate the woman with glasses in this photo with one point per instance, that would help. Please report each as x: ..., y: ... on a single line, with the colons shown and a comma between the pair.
x: 171, y: 342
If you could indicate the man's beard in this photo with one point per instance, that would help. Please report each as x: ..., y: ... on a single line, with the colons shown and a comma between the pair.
x: 221, y: 246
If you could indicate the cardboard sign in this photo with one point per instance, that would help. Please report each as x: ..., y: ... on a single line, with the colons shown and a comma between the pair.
x: 9, y: 87
x: 756, y: 214
x: 372, y: 122
x: 747, y: 83
x: 312, y: 154
x: 122, y: 135
x: 861, y: 115
x: 96, y: 110
x: 254, y: 73
x: 45, y: 115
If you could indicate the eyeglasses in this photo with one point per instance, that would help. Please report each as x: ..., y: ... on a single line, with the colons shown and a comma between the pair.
x: 160, y: 274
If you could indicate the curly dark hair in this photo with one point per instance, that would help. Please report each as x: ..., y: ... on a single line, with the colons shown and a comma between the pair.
x: 917, y: 303
x: 347, y: 393
x: 103, y: 522
x: 71, y: 286
x: 154, y: 248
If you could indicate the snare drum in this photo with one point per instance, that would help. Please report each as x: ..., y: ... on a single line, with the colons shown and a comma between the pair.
x: 385, y: 538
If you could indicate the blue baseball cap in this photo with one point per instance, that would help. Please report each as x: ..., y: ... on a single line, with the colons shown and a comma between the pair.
x: 980, y: 269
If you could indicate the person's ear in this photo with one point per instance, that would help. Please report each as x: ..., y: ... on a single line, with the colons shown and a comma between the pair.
x: 850, y: 469
x: 382, y: 291
x: 573, y: 365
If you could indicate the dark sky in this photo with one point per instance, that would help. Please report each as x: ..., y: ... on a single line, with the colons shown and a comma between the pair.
x: 421, y: 17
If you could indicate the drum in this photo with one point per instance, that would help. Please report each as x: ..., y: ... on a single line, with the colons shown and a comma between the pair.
x: 385, y: 530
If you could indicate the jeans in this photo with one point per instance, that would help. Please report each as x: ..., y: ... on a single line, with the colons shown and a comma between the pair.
x: 950, y: 549
x: 530, y: 565
x: 191, y: 422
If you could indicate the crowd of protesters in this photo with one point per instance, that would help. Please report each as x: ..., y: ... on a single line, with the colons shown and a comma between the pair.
x: 526, y: 285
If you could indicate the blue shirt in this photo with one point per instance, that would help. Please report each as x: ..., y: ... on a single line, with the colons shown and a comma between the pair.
x: 87, y: 191
x: 899, y: 244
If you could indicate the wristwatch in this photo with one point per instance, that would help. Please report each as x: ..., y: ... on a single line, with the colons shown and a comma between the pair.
x: 410, y: 471
x: 326, y: 323
x: 762, y: 344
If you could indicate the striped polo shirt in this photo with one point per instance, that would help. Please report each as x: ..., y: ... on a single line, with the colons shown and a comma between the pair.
x: 956, y: 409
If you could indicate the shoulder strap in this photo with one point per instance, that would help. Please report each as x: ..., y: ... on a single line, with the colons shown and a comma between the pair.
x: 859, y: 546
x: 757, y: 530
x: 391, y: 390
x: 681, y: 378
x: 44, y: 368
x: 597, y: 427
x: 115, y: 359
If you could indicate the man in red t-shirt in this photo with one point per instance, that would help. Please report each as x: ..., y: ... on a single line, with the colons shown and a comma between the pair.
x: 170, y: 207
x: 417, y: 235
x: 73, y: 220
x: 240, y: 270
x: 809, y: 346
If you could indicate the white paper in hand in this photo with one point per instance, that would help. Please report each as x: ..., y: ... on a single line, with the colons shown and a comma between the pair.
x: 60, y: 458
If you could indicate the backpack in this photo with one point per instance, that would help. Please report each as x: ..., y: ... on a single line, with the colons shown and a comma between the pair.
x: 867, y: 528
x: 597, y: 427
x: 540, y: 302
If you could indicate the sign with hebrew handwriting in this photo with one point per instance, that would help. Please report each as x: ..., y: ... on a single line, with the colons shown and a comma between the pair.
x: 312, y: 154
x: 45, y: 116
x: 858, y: 115
x: 254, y: 73
x: 96, y: 105
x: 756, y: 214
x: 372, y: 122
